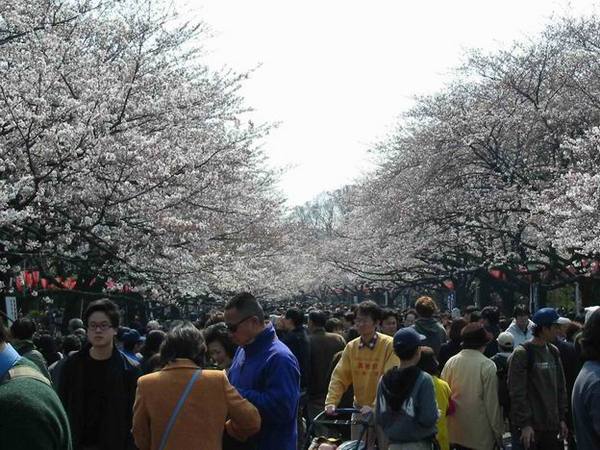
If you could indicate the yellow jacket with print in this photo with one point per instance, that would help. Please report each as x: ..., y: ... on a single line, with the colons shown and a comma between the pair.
x: 361, y: 368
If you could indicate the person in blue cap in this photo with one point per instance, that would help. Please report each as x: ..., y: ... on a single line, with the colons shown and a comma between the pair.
x: 132, y: 344
x: 406, y: 409
x: 536, y: 384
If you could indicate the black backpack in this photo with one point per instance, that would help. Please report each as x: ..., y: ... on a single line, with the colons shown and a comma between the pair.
x: 502, y: 373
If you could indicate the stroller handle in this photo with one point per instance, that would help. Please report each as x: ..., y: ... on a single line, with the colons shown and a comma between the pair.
x: 346, y: 411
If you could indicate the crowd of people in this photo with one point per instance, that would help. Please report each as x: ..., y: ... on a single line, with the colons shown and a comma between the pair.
x: 248, y: 377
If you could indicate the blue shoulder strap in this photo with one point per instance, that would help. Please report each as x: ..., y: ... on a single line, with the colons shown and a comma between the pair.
x: 180, y: 402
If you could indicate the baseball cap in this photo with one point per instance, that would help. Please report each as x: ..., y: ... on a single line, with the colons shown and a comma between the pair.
x: 132, y: 337
x: 546, y: 317
x: 406, y: 338
x: 506, y: 340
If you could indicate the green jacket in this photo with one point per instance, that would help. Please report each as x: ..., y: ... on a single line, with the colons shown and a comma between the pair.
x: 33, y: 417
x: 538, y: 394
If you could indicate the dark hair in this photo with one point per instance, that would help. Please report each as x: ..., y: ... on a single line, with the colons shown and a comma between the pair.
x: 105, y: 306
x: 332, y: 324
x: 22, y: 328
x: 154, y: 339
x: 152, y: 364
x: 491, y: 314
x: 349, y: 317
x: 371, y: 309
x: 71, y: 343
x: 216, y: 317
x: 411, y: 311
x: 429, y: 362
x: 425, y: 306
x: 406, y: 353
x: 218, y: 333
x: 295, y: 315
x: 388, y: 312
x: 129, y: 346
x: 246, y: 305
x: 572, y: 329
x: 520, y: 310
x: 469, y: 309
x: 47, y: 347
x: 475, y: 316
x: 455, y: 329
x: 590, y: 338
x: 318, y: 318
x: 474, y: 336
x: 183, y: 341
x: 75, y: 323
x: 3, y: 331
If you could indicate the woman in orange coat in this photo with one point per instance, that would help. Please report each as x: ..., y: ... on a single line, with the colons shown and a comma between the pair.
x: 211, y: 406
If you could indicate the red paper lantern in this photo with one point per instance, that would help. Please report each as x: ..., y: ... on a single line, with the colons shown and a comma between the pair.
x: 496, y: 273
x: 448, y: 284
x: 44, y: 283
x: 28, y: 279
x: 36, y: 277
x: 19, y: 283
x: 70, y: 283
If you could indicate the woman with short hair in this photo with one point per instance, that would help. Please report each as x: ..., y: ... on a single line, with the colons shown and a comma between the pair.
x: 210, y: 406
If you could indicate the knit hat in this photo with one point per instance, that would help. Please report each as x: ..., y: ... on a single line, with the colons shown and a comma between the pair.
x: 474, y: 335
x: 506, y: 340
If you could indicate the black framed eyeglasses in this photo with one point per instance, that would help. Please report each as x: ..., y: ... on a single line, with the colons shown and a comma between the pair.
x: 103, y: 326
x: 232, y: 327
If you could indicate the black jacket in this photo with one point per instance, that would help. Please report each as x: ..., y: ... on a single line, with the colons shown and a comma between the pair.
x: 122, y: 379
x: 298, y: 342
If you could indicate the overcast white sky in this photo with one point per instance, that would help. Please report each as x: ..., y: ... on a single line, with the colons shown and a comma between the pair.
x: 338, y: 74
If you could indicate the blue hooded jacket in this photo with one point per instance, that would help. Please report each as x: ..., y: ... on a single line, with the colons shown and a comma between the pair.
x: 266, y: 373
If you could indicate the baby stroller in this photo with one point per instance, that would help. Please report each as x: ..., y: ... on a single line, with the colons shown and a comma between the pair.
x: 342, y: 418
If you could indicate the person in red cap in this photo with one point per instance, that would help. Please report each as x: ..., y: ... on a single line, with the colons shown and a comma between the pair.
x: 537, y: 389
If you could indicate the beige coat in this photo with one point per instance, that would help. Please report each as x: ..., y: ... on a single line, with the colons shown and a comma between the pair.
x: 477, y: 422
x: 212, y: 406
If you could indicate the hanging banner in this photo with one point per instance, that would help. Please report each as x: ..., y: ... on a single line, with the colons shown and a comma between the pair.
x: 11, y: 308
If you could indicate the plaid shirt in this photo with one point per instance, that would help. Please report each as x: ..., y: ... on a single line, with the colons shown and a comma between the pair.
x: 370, y: 345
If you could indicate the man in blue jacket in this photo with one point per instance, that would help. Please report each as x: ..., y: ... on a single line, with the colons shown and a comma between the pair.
x: 265, y: 372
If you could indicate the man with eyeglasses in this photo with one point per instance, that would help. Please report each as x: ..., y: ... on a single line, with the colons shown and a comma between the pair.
x: 265, y: 372
x: 98, y: 383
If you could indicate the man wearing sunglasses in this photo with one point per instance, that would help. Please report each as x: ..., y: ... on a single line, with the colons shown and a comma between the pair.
x: 265, y: 372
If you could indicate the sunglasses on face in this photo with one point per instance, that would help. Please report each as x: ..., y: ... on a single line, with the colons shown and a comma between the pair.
x: 233, y: 327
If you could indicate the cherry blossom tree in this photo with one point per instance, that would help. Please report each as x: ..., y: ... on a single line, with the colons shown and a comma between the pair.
x: 122, y: 153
